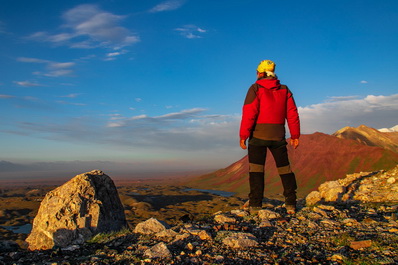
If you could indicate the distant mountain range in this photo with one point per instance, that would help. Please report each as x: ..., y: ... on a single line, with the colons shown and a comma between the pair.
x: 369, y: 136
x: 319, y: 158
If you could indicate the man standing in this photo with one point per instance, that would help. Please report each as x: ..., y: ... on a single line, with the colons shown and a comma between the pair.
x: 267, y: 106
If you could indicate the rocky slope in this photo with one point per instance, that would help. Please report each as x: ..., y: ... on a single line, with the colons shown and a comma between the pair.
x: 319, y: 158
x: 357, y: 230
x: 370, y: 136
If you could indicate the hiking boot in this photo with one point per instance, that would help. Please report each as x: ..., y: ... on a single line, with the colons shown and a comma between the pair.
x: 254, y: 210
x: 290, y: 209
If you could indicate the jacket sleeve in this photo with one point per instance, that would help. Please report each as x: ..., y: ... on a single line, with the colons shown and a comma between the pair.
x: 249, y: 113
x: 293, y: 120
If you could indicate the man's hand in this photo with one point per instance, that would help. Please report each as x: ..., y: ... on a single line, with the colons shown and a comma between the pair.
x: 243, y: 144
x: 294, y: 143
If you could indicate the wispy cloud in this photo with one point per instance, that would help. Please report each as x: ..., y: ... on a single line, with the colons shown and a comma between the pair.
x: 364, y: 82
x: 2, y: 28
x: 167, y: 6
x: 70, y: 95
x: 53, y: 69
x: 70, y: 103
x: 111, y: 56
x: 342, y: 98
x: 2, y: 96
x: 195, y: 130
x: 87, y: 26
x: 27, y: 83
x: 191, y: 31
x: 374, y: 111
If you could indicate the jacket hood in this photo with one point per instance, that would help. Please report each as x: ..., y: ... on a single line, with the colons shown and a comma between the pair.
x: 269, y: 83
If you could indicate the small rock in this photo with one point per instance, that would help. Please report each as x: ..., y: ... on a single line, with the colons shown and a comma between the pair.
x: 265, y: 223
x: 204, y: 235
x: 159, y: 250
x: 222, y: 218
x: 150, y: 226
x: 240, y: 213
x: 360, y: 244
x: 313, y: 198
x: 268, y: 214
x: 337, y: 257
x: 240, y: 240
x: 320, y: 211
x: 168, y: 233
x: 391, y: 180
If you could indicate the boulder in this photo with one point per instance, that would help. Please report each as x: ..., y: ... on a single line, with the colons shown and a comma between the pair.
x: 86, y: 205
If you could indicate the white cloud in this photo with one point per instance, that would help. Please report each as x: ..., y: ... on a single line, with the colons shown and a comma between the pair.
x: 70, y: 103
x: 364, y: 82
x: 191, y: 31
x: 70, y: 95
x: 167, y: 6
x: 138, y: 99
x: 6, y: 96
x: 328, y: 117
x: 195, y: 131
x: 32, y: 60
x: 27, y: 83
x: 342, y: 98
x: 87, y: 26
x: 54, y: 69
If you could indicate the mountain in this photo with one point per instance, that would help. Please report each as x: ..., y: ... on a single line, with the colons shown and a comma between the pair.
x: 392, y: 129
x: 319, y: 158
x: 370, y: 136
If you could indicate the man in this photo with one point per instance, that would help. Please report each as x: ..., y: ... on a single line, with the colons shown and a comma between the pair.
x: 267, y: 106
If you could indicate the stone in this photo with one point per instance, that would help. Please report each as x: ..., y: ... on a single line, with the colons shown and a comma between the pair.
x: 240, y: 240
x: 222, y: 218
x: 240, y: 213
x: 360, y: 244
x: 168, y: 233
x: 86, y: 205
x: 391, y: 180
x: 268, y: 214
x: 265, y: 223
x: 313, y: 198
x: 159, y: 250
x: 320, y: 211
x: 150, y: 226
x: 331, y: 191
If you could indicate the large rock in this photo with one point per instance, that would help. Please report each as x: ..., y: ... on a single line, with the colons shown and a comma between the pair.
x: 72, y: 213
x: 378, y: 186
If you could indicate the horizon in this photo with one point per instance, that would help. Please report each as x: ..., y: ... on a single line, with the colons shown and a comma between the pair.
x: 134, y: 87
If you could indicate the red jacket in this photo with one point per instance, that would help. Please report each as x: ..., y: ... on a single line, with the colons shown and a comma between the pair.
x: 267, y: 106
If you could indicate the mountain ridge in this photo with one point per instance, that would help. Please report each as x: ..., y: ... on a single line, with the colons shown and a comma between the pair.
x: 319, y: 158
x: 370, y: 136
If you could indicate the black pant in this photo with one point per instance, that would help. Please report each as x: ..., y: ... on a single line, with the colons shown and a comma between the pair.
x: 257, y: 155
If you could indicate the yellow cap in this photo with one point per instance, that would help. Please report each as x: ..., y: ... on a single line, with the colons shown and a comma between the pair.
x: 266, y: 66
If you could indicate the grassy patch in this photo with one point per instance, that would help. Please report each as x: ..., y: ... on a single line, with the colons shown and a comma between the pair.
x: 343, y: 239
x: 106, y: 237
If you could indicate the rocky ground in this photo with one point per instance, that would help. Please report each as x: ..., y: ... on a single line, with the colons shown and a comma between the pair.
x: 323, y: 234
x: 351, y: 221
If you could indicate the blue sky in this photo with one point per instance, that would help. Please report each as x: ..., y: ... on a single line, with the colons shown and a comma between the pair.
x: 133, y: 87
